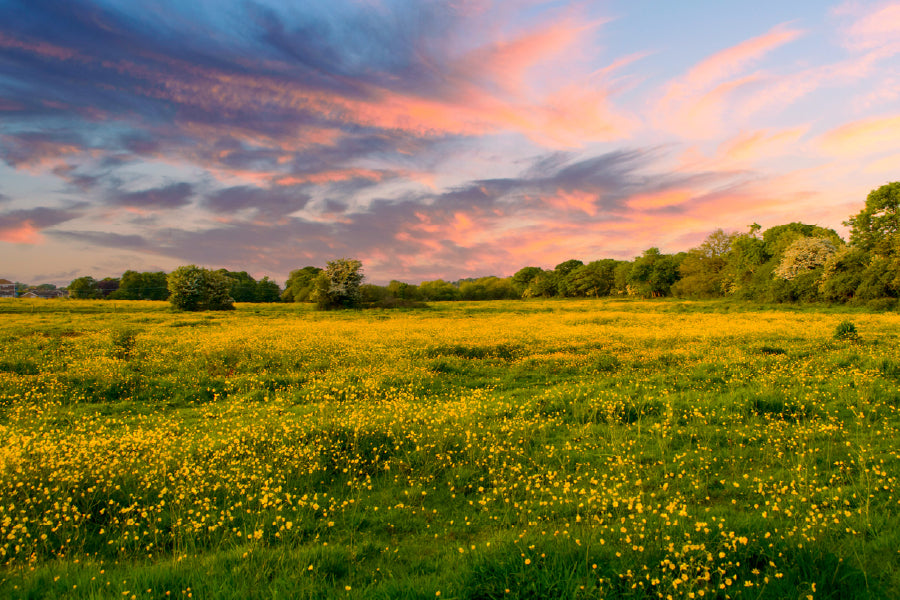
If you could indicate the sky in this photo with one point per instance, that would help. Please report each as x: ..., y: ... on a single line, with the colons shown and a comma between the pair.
x: 429, y: 139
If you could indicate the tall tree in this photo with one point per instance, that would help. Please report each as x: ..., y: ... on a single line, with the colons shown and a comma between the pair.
x: 594, y: 279
x: 402, y: 290
x: 242, y: 286
x: 438, y: 290
x: 877, y: 226
x: 543, y: 285
x: 653, y: 273
x: 338, y: 286
x: 141, y: 286
x: 562, y: 271
x: 702, y: 270
x: 84, y: 288
x: 267, y: 290
x: 523, y: 277
x: 842, y: 274
x: 300, y: 284
x: 108, y: 285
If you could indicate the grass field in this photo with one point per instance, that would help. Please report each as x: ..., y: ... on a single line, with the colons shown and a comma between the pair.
x: 545, y: 449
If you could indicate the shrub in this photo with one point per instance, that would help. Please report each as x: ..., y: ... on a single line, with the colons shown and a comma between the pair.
x: 882, y: 304
x: 194, y: 288
x: 123, y: 343
x: 846, y: 331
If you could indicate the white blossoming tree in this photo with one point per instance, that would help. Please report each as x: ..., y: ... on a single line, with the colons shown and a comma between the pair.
x: 804, y: 255
x: 338, y: 286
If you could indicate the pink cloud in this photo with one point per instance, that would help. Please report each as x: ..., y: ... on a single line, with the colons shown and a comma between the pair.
x: 23, y: 233
x: 734, y: 60
x: 704, y: 115
x: 661, y: 199
x: 778, y: 92
x: 40, y: 48
x: 331, y: 176
x: 862, y: 138
x: 463, y: 228
x: 37, y: 155
x: 488, y: 93
x: 487, y: 90
x: 750, y: 146
x: 574, y: 201
x: 887, y: 164
x: 875, y: 28
x: 505, y: 64
x: 728, y: 62
x: 693, y: 104
x: 577, y: 114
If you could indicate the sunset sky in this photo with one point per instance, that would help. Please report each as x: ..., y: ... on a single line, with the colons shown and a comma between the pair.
x: 429, y: 139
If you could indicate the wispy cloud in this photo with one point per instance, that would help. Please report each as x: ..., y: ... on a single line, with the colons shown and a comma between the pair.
x: 862, y: 138
x: 24, y: 226
x: 696, y: 103
x: 174, y: 195
x: 430, y: 139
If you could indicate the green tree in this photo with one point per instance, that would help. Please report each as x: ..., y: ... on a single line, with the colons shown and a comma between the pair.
x: 473, y: 290
x: 743, y: 261
x: 543, y: 285
x: 562, y: 271
x: 488, y: 288
x: 594, y: 279
x: 84, y: 288
x: 403, y: 291
x: 267, y: 290
x: 623, y: 268
x: 842, y: 274
x: 753, y: 261
x: 499, y: 288
x: 877, y: 226
x: 703, y: 269
x: 523, y: 277
x: 300, y: 285
x: 881, y: 279
x: 438, y: 290
x: 338, y: 286
x: 142, y: 286
x: 653, y: 274
x: 108, y: 285
x: 370, y: 293
x: 242, y: 286
x: 778, y: 238
x: 194, y: 288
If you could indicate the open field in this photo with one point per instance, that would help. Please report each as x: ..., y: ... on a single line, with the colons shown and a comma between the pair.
x: 573, y: 449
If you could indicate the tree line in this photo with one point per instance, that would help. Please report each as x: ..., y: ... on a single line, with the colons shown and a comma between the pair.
x: 154, y: 285
x: 796, y: 262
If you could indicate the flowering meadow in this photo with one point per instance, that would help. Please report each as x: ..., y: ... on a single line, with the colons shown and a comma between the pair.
x: 524, y: 449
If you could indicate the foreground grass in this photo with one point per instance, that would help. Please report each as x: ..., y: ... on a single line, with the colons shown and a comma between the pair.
x: 576, y: 449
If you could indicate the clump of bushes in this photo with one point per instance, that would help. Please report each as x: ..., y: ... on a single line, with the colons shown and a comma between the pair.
x: 195, y: 288
x: 846, y: 330
x: 123, y: 342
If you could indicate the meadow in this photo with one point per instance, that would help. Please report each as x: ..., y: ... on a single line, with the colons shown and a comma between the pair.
x: 514, y: 449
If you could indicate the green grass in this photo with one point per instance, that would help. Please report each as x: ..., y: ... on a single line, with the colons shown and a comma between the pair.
x: 523, y: 449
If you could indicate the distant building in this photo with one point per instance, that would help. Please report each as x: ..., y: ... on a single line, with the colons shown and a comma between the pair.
x: 7, y: 289
x: 45, y: 294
